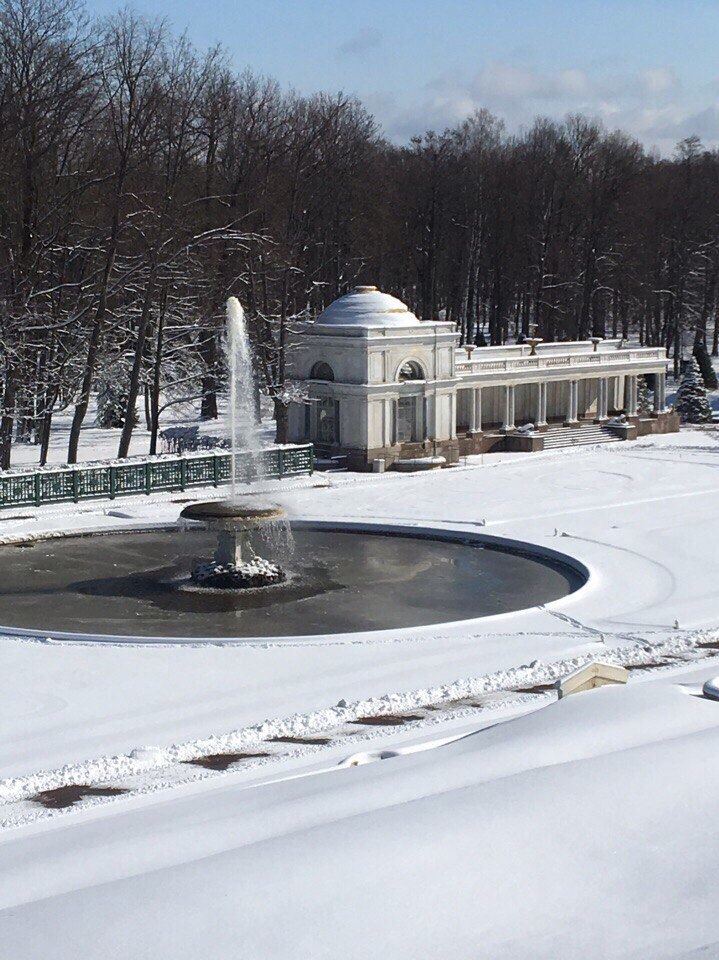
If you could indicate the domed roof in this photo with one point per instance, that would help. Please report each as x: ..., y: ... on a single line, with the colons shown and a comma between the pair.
x: 367, y: 307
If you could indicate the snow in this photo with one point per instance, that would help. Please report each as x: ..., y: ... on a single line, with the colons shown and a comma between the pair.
x: 367, y: 307
x: 535, y: 828
x: 328, y: 720
x: 101, y: 444
x: 565, y: 829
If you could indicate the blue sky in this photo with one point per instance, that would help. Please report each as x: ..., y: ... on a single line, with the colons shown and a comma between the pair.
x: 647, y: 66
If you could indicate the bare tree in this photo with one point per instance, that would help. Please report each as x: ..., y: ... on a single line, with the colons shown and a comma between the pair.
x: 129, y: 68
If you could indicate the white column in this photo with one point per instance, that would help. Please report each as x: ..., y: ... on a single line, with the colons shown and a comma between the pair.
x: 453, y: 415
x: 631, y: 396
x: 573, y: 402
x: 508, y: 408
x: 602, y: 398
x: 469, y: 409
x: 660, y: 393
x: 472, y: 419
x: 477, y: 410
x: 541, y: 418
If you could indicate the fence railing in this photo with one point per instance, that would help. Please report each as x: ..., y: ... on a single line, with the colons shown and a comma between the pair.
x: 73, y: 484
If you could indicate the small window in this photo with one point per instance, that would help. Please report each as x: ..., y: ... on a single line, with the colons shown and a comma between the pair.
x: 411, y: 370
x: 322, y: 371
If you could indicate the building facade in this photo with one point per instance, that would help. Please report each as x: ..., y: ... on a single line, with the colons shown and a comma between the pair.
x: 384, y: 386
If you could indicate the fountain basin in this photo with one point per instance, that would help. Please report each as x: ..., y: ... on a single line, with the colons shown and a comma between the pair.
x: 343, y: 578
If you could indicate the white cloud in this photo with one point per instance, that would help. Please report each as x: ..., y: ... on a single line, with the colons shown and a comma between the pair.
x: 505, y: 82
x: 501, y: 81
x: 659, y: 79
x: 649, y: 104
x: 574, y: 82
x: 675, y: 123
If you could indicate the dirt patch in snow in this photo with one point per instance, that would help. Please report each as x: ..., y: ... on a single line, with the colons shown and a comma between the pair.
x: 537, y: 688
x: 388, y: 719
x: 222, y: 761
x: 70, y: 795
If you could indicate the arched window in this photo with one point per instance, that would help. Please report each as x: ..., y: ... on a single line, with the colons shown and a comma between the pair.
x: 411, y: 370
x: 322, y: 371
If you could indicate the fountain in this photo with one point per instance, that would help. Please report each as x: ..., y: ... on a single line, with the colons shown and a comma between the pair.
x: 235, y: 564
x: 252, y: 578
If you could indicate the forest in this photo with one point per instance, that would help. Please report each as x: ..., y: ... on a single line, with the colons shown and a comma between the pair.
x: 143, y: 181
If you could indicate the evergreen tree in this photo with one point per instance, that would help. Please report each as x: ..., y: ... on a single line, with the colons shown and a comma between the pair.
x: 705, y: 364
x: 692, y: 404
x: 111, y: 404
x: 644, y: 402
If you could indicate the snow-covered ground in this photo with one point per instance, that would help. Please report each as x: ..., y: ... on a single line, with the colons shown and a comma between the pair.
x: 100, y: 443
x: 519, y: 827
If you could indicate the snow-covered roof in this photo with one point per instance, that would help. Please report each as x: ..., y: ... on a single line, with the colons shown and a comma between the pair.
x: 368, y: 307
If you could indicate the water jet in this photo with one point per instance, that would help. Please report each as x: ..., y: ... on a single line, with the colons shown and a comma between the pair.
x: 236, y: 565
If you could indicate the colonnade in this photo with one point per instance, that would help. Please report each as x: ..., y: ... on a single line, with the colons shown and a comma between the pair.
x: 572, y: 404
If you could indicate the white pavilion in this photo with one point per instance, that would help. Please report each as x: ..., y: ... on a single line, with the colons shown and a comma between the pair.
x: 383, y: 386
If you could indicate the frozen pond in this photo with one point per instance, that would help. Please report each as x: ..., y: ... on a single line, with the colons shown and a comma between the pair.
x: 136, y: 584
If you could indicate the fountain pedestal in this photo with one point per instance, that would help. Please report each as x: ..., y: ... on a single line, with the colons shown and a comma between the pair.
x: 235, y: 565
x: 230, y: 544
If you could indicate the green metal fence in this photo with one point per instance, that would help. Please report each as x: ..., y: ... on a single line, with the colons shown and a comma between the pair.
x: 166, y: 474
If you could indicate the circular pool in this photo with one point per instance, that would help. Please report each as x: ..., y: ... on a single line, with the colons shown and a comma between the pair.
x: 340, y: 580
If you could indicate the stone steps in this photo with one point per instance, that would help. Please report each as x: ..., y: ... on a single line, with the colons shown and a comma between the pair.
x: 331, y: 464
x: 588, y: 433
